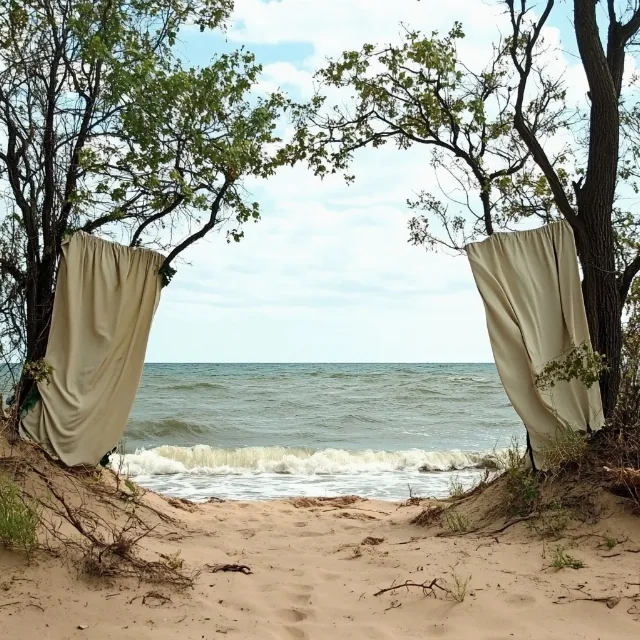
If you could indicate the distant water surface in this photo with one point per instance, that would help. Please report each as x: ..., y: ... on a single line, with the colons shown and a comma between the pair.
x: 264, y: 431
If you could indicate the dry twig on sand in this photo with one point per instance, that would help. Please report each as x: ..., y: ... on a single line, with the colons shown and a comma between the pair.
x: 232, y: 568
x: 428, y: 587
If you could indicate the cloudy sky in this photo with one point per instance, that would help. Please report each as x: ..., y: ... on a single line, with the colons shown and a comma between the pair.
x: 327, y: 275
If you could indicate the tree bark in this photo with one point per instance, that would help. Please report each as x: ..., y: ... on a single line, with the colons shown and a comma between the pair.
x: 602, y: 303
x: 595, y: 198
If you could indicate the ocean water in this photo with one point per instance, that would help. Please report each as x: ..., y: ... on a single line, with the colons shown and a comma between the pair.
x: 265, y: 431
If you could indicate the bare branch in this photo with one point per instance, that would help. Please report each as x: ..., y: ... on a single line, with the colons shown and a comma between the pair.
x: 154, y: 218
x: 215, y: 209
x: 627, y: 278
x: 524, y: 70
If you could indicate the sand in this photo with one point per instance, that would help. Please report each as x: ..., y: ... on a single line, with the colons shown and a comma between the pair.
x: 314, y: 573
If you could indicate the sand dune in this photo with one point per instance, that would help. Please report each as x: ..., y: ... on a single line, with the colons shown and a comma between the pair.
x: 315, y: 570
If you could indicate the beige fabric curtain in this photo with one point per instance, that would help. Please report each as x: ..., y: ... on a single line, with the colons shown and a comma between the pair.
x: 106, y: 296
x: 530, y: 285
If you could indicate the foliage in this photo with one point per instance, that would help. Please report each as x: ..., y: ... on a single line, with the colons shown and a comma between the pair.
x: 552, y: 522
x: 522, y: 485
x: 627, y: 413
x: 456, y: 488
x: 458, y: 589
x: 579, y: 362
x: 569, y: 448
x: 38, y: 370
x: 103, y: 129
x: 456, y: 521
x: 562, y: 560
x: 18, y: 519
x: 420, y: 93
x: 166, y: 273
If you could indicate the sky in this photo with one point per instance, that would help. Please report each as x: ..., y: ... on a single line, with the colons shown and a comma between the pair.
x: 328, y: 274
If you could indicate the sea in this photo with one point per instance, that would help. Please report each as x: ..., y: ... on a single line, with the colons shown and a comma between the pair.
x: 272, y: 431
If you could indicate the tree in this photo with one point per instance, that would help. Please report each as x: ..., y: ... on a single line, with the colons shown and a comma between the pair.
x: 510, y: 146
x: 103, y: 129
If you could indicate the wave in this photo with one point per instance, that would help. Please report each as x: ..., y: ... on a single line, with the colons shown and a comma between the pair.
x: 169, y: 427
x: 203, y: 459
x: 198, y: 385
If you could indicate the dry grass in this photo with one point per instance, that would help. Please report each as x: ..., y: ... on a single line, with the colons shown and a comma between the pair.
x: 456, y: 488
x: 456, y: 521
x: 19, y: 519
x: 570, y: 449
x: 562, y: 560
x: 458, y: 586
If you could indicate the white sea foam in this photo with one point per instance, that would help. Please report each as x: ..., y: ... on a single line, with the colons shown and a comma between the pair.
x: 203, y: 459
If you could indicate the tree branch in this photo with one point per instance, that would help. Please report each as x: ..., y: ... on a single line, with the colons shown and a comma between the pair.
x: 215, y: 209
x: 628, y: 30
x: 154, y: 218
x: 528, y: 137
x: 12, y: 270
x: 627, y: 278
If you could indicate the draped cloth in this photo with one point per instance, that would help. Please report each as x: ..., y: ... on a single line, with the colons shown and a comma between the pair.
x: 530, y: 284
x: 106, y: 296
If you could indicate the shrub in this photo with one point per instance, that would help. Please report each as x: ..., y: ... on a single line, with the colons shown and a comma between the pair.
x: 570, y: 448
x: 455, y: 521
x: 562, y: 560
x: 522, y: 486
x: 456, y: 488
x: 458, y: 588
x: 18, y: 519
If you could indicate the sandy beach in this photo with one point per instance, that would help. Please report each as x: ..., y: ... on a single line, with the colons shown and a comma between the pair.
x: 315, y: 567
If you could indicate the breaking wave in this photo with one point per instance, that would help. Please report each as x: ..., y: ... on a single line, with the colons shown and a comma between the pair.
x: 203, y: 459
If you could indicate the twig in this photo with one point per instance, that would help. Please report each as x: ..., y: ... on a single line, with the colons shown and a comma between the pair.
x: 8, y: 604
x: 384, y: 513
x: 610, y: 601
x: 407, y: 541
x: 237, y: 568
x: 152, y: 595
x: 427, y: 587
x: 509, y: 524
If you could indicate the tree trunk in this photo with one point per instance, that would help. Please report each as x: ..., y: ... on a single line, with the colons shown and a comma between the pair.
x: 40, y: 295
x: 602, y: 302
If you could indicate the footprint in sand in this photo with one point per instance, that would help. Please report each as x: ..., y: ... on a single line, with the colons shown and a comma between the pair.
x: 292, y: 615
x: 297, y: 634
x: 520, y: 598
x: 300, y: 598
x: 301, y: 594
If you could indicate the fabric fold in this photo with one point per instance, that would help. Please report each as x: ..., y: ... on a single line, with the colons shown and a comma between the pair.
x: 530, y: 285
x: 105, y: 300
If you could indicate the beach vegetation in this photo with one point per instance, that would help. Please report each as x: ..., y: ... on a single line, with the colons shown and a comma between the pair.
x: 456, y: 488
x: 458, y: 586
x: 522, y: 485
x: 456, y: 521
x: 562, y: 560
x: 19, y: 519
x: 569, y: 448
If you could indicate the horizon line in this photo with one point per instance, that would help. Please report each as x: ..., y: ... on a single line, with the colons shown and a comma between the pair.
x: 317, y: 362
